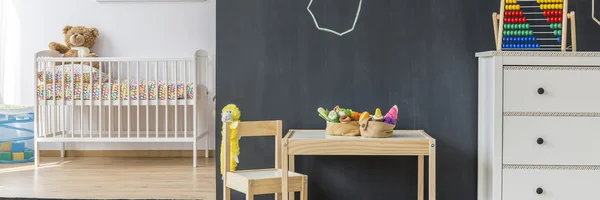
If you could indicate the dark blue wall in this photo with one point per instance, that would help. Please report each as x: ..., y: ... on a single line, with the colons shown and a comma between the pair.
x: 274, y: 64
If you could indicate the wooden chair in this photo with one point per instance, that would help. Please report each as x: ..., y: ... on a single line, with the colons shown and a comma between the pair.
x: 261, y: 181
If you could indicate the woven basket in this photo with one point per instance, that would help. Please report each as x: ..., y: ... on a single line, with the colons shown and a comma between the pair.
x: 342, y: 129
x: 375, y: 129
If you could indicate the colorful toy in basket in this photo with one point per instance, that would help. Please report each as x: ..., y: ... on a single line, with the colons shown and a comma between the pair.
x: 378, y: 125
x: 230, y: 114
x: 340, y: 121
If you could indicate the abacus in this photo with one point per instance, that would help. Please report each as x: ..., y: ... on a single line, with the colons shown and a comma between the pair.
x: 539, y: 25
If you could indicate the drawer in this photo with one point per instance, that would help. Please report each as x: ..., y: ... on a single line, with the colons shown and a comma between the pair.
x: 565, y: 89
x: 566, y: 140
x: 555, y: 184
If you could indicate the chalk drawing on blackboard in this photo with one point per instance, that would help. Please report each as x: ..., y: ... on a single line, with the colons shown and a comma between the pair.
x: 593, y: 12
x: 332, y: 31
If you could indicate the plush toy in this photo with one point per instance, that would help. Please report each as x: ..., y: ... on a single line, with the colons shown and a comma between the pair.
x: 392, y: 116
x: 230, y: 114
x: 378, y: 116
x: 78, y: 42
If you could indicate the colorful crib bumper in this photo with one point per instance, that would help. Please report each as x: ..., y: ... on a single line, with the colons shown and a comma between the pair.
x: 123, y: 90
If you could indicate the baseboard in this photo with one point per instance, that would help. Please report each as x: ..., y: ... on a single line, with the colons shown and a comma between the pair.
x: 126, y: 153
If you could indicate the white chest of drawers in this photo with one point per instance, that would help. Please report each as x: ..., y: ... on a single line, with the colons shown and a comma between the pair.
x: 539, y: 125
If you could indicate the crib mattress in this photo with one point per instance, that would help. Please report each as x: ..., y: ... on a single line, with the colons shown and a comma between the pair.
x: 116, y: 90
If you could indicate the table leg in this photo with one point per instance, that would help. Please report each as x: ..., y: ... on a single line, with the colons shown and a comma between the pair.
x: 421, y: 178
x: 432, y: 148
x: 284, y: 171
x: 292, y: 168
x: 226, y: 193
x: 304, y: 192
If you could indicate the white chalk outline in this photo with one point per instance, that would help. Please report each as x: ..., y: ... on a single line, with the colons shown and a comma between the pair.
x: 332, y: 31
x: 593, y: 12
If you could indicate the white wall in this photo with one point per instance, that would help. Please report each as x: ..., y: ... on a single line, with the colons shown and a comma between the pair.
x: 144, y: 29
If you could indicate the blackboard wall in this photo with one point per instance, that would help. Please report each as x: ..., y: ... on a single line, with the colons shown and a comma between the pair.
x: 274, y: 64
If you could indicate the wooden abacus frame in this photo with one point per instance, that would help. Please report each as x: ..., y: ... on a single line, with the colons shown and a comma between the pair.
x: 498, y: 21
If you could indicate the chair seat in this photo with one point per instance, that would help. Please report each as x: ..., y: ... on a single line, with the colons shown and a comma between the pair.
x: 264, y: 181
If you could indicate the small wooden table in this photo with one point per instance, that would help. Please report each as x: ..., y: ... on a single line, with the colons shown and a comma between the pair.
x: 402, y: 143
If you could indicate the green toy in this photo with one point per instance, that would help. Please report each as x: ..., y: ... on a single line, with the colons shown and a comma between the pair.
x: 323, y: 113
x: 347, y: 112
x: 333, y: 117
x: 6, y: 156
x: 28, y: 154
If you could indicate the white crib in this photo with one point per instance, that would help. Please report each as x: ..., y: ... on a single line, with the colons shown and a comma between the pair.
x: 123, y: 100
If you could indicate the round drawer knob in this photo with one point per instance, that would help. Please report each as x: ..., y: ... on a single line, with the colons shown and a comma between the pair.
x: 540, y: 90
x: 540, y: 141
x: 539, y: 191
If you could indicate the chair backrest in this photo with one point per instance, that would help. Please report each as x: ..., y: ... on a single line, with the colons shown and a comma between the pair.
x: 256, y: 129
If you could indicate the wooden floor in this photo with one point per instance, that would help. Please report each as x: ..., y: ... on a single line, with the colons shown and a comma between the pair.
x: 110, y: 178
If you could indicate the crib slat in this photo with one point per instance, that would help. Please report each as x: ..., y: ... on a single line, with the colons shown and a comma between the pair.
x: 45, y: 97
x: 128, y: 101
x: 100, y: 108
x: 82, y: 103
x: 157, y: 99
x: 166, y: 99
x: 64, y: 99
x: 91, y: 100
x: 119, y: 99
x: 110, y: 108
x: 72, y: 101
x: 147, y: 100
x: 137, y: 71
x: 176, y: 98
x: 185, y: 97
x: 195, y: 102
x: 53, y: 114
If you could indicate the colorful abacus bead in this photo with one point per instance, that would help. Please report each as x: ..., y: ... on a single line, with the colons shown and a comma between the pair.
x: 557, y: 32
x: 558, y: 39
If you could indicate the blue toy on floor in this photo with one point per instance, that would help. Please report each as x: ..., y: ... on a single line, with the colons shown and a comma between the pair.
x: 13, y: 138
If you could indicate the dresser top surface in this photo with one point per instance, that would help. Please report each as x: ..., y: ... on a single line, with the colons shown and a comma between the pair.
x: 537, y: 53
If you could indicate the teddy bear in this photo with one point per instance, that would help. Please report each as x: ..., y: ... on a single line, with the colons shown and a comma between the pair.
x: 78, y: 42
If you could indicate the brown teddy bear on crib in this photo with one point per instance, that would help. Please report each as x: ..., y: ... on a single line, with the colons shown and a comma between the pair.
x: 78, y: 42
